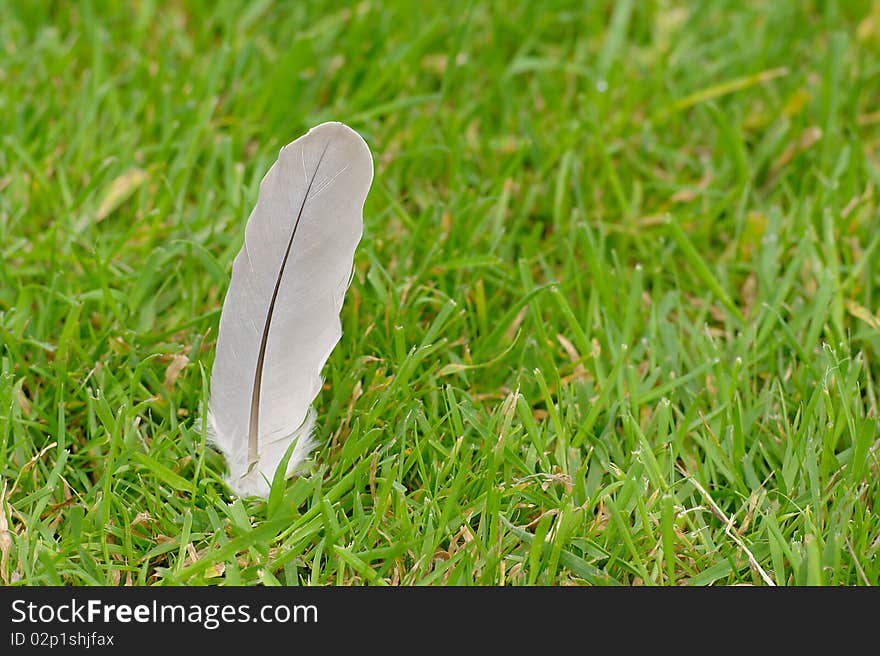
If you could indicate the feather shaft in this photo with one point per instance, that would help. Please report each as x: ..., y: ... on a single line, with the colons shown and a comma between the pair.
x: 254, y: 423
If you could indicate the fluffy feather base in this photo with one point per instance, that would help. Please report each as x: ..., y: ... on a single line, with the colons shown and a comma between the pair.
x: 258, y: 481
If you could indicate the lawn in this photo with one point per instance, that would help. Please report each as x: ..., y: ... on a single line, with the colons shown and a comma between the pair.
x: 614, y: 318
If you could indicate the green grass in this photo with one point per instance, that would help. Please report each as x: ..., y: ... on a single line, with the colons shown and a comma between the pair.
x: 614, y: 318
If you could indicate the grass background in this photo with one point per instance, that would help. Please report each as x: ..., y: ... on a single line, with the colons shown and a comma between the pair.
x: 614, y: 319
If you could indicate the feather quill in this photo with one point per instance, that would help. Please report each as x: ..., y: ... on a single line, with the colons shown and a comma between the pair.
x: 280, y: 319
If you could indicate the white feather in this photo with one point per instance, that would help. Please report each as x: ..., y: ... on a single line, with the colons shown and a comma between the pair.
x: 309, y: 212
